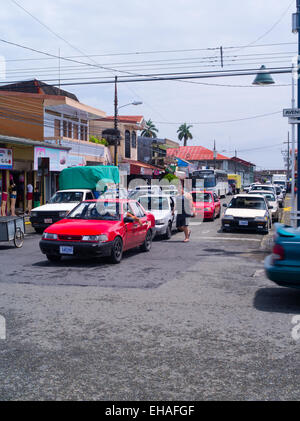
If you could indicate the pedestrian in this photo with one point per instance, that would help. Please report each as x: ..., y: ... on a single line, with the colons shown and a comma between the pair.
x: 29, y: 197
x: 36, y: 198
x: 185, y: 210
x: 233, y: 189
x: 13, y: 197
x: 3, y: 203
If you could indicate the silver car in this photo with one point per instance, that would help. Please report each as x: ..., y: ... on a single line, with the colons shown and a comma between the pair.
x: 163, y: 209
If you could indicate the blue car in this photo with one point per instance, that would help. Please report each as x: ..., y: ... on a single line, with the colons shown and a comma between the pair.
x: 283, y: 265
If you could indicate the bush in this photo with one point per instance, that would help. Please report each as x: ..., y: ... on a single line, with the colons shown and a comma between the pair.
x: 170, y: 177
x: 98, y: 141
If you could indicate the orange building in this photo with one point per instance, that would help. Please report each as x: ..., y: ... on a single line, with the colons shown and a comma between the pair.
x: 33, y: 111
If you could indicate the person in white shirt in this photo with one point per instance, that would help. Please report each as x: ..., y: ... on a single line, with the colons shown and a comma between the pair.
x: 29, y: 197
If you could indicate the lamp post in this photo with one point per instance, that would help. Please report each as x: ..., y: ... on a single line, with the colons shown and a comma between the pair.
x: 117, y: 134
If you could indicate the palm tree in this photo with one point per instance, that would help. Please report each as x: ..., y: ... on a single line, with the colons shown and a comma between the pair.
x: 184, y: 133
x: 150, y: 130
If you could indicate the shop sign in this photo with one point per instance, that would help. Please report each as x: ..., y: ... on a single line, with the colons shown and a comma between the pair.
x: 6, y: 159
x: 58, y: 158
x: 76, y: 161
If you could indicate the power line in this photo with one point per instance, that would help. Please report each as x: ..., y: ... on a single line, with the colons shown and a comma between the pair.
x: 272, y: 27
x: 222, y: 121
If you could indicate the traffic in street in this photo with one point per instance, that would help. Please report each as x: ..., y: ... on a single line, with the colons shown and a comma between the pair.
x: 184, y: 321
x: 149, y: 203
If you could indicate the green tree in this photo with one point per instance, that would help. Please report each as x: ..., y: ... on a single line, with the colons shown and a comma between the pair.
x: 184, y: 133
x: 150, y: 130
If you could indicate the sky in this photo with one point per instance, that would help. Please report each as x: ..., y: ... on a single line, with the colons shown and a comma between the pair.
x: 108, y: 30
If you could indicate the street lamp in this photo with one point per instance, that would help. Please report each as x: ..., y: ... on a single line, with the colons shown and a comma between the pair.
x: 263, y: 78
x: 117, y: 134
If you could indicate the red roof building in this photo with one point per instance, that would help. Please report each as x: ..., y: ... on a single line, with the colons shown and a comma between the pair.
x: 195, y: 153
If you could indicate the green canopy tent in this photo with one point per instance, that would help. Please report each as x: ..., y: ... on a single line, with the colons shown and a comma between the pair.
x: 94, y: 178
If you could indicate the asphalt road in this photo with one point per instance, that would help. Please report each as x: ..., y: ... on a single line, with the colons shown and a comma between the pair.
x: 195, y: 321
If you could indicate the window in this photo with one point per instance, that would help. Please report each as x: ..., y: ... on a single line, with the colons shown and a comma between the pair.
x: 137, y: 210
x: 85, y: 132
x: 81, y: 132
x: 89, y: 196
x: 141, y: 212
x: 127, y: 144
x: 65, y: 129
x: 70, y: 130
x: 133, y: 139
x: 57, y: 128
x: 75, y: 131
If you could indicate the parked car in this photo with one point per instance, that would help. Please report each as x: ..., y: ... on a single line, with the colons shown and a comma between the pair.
x: 163, y: 209
x: 58, y: 207
x: 135, y: 194
x: 99, y: 228
x: 247, y: 212
x: 272, y: 200
x: 283, y: 265
x: 206, y: 204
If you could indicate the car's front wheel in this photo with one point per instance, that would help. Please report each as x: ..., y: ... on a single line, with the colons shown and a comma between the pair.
x: 146, y: 246
x: 117, y: 251
x: 168, y: 234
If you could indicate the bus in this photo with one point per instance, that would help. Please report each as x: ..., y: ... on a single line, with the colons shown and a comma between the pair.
x: 211, y: 180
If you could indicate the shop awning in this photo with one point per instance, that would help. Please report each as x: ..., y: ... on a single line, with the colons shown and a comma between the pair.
x: 29, y: 142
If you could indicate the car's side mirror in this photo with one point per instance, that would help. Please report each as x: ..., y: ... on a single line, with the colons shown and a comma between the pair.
x: 128, y: 220
x: 225, y: 205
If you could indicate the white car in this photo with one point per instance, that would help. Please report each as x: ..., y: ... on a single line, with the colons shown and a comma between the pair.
x: 263, y: 187
x: 280, y: 195
x: 58, y: 207
x: 273, y: 201
x: 247, y: 212
x: 119, y: 193
x: 162, y: 207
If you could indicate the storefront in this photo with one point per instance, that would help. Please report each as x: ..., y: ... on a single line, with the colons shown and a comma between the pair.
x: 48, y: 163
x: 19, y: 163
x: 6, y: 164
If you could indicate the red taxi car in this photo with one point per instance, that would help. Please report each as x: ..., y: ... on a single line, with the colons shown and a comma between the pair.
x: 100, y: 228
x: 206, y: 204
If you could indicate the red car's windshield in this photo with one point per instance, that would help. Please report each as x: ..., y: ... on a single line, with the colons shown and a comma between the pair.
x: 100, y: 211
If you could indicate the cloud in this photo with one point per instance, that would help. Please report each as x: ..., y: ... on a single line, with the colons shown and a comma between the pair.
x: 98, y: 27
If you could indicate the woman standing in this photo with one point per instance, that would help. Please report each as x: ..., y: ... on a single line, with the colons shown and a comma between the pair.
x: 184, y: 205
x: 13, y: 197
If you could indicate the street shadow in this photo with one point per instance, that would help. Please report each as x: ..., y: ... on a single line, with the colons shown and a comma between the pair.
x: 84, y: 262
x: 278, y: 300
x: 237, y: 231
x: 7, y: 247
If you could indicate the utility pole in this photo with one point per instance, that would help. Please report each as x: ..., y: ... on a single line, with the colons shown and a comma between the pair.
x: 116, y: 122
x: 215, y: 155
x: 235, y: 161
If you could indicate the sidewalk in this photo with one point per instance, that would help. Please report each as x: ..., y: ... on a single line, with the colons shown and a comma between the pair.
x: 28, y: 227
x: 286, y: 212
